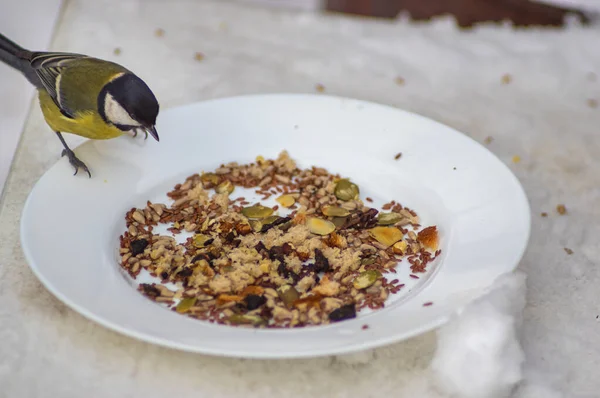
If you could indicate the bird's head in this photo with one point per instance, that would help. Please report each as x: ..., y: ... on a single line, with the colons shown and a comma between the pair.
x: 129, y: 104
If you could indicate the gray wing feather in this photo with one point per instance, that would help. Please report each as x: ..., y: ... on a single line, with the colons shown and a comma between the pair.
x: 48, y: 67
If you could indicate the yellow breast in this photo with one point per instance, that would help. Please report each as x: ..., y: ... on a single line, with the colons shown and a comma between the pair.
x: 88, y: 125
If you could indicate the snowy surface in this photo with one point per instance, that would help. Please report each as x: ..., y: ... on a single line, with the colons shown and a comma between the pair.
x: 542, y: 115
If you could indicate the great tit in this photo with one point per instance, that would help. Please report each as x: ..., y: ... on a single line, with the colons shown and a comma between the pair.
x: 85, y: 96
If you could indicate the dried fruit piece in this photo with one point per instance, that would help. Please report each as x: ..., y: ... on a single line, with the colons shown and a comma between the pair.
x: 346, y: 190
x: 225, y: 187
x: 561, y: 209
x: 209, y: 180
x: 254, y: 301
x: 256, y: 320
x: 286, y: 200
x: 334, y: 240
x: 334, y: 211
x: 288, y: 294
x: 388, y: 218
x: 366, y: 279
x: 319, y: 227
x: 429, y: 237
x: 257, y: 212
x: 273, y: 221
x: 185, y: 304
x: 386, y: 235
x: 138, y: 246
x: 347, y: 311
x: 321, y: 262
x: 400, y: 247
x: 201, y: 240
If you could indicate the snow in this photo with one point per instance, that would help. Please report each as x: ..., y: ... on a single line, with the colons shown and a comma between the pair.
x: 479, y: 353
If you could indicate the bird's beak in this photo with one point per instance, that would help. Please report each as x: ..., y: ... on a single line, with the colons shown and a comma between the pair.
x: 152, y: 131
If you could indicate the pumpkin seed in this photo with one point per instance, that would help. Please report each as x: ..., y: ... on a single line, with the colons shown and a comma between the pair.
x: 288, y: 294
x: 388, y: 218
x: 400, y: 247
x: 338, y: 221
x: 367, y: 261
x: 320, y: 227
x: 209, y: 179
x: 257, y: 212
x: 334, y: 211
x: 366, y: 279
x: 346, y: 190
x: 200, y: 240
x: 185, y: 304
x: 256, y: 225
x: 286, y: 200
x: 386, y: 235
x: 225, y: 187
x: 238, y: 319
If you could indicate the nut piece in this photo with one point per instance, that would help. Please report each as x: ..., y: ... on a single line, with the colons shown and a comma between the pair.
x: 185, y: 304
x: 429, y: 237
x: 288, y: 294
x: 400, y: 247
x: 386, y: 235
x: 320, y: 227
x: 334, y: 211
x: 286, y: 200
x: 388, y: 218
x: 257, y: 212
x: 225, y: 187
x: 366, y: 279
x: 346, y: 190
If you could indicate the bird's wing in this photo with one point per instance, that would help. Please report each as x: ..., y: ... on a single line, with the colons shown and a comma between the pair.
x: 49, y: 68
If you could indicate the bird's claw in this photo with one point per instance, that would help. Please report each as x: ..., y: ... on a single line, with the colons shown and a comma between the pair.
x: 135, y: 133
x: 75, y: 162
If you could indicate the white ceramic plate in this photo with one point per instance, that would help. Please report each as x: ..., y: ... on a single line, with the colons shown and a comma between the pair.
x: 70, y: 225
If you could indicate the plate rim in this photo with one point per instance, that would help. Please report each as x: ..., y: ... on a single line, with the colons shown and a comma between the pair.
x: 380, y: 342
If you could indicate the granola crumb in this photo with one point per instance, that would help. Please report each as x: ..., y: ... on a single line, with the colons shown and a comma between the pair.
x: 400, y: 81
x: 159, y: 32
x: 488, y: 140
x: 561, y: 209
x: 320, y: 88
x: 398, y: 156
x: 117, y: 51
x: 506, y: 78
x: 592, y: 103
x: 198, y: 56
x: 568, y: 251
x: 516, y: 159
x: 544, y: 214
x: 261, y: 266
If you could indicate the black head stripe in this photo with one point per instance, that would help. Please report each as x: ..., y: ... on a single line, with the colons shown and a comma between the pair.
x: 134, y: 96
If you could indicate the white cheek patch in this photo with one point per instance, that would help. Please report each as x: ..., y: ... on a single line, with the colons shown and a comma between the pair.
x: 116, y: 114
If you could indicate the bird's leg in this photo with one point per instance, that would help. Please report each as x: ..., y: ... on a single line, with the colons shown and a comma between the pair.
x: 75, y: 162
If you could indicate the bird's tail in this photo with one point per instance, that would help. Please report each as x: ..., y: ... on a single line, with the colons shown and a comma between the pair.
x: 16, y: 56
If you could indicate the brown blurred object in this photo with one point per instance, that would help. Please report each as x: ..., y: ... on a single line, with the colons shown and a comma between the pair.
x: 466, y: 12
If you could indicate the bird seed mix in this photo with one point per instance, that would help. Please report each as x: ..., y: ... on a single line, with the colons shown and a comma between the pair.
x: 319, y: 255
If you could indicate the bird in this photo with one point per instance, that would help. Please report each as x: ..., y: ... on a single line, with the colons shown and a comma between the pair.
x: 85, y: 96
